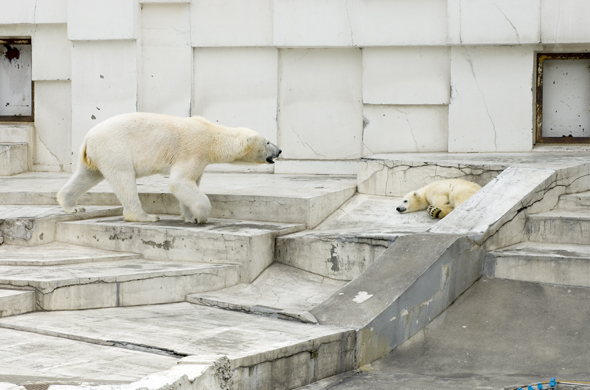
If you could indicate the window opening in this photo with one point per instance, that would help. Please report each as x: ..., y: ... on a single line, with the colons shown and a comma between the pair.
x: 16, y: 85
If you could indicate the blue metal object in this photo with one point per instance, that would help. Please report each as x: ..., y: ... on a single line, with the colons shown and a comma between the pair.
x: 540, y: 386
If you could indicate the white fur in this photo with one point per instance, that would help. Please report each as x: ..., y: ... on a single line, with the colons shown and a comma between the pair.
x: 443, y: 195
x: 129, y: 146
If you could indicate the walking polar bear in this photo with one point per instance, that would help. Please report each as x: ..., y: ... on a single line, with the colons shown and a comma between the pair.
x: 438, y: 198
x: 129, y: 146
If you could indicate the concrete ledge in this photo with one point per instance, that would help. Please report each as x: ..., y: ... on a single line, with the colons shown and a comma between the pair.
x: 403, y: 290
x: 14, y: 302
x: 13, y: 158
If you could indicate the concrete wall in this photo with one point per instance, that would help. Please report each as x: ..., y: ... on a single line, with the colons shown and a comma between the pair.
x: 330, y: 81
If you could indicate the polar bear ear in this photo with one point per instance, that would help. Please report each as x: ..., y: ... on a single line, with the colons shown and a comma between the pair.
x: 251, y: 139
x: 415, y: 194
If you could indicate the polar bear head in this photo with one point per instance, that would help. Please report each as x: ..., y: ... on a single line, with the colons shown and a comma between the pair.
x: 257, y: 148
x: 413, y: 201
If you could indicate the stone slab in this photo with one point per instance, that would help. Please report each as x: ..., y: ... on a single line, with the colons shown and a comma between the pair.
x: 35, y: 225
x: 13, y: 158
x: 220, y: 241
x: 279, y: 292
x: 499, y: 333
x: 350, y: 239
x: 57, y: 253
x: 574, y: 201
x: 262, y: 351
x: 305, y: 199
x: 31, y: 358
x: 120, y: 283
x: 541, y: 262
x: 560, y: 226
x: 16, y: 302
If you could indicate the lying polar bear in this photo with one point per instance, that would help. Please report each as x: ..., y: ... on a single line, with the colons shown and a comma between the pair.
x: 438, y: 198
x: 129, y: 146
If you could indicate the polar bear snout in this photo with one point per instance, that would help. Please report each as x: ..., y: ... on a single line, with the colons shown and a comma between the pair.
x: 274, y: 154
x: 400, y: 209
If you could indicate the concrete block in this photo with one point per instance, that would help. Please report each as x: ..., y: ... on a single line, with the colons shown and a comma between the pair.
x: 51, y: 11
x: 397, y: 23
x: 406, y: 75
x: 17, y: 12
x: 560, y: 226
x: 14, y: 302
x: 574, y: 201
x: 232, y: 23
x: 564, y: 21
x: 53, y: 124
x: 103, y: 20
x: 19, y: 133
x: 237, y: 87
x: 13, y: 158
x: 167, y: 57
x: 320, y: 94
x: 497, y: 22
x: 51, y: 53
x: 35, y: 225
x: 309, y: 23
x: 248, y: 244
x: 488, y: 113
x: 561, y: 264
x: 405, y: 129
x: 104, y: 84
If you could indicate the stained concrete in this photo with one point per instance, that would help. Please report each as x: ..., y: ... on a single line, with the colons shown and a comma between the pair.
x: 498, y: 333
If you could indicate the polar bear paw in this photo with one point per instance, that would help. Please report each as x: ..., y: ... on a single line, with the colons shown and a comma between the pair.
x: 140, y: 218
x: 433, y: 211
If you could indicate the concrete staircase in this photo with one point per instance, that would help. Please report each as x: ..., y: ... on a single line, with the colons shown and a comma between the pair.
x: 557, y: 250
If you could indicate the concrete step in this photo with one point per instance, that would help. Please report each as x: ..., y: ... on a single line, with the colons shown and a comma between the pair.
x: 13, y: 158
x: 35, y: 225
x: 117, y: 283
x: 220, y: 241
x: 280, y: 291
x: 16, y: 302
x: 264, y: 353
x: 306, y: 199
x: 564, y: 264
x: 348, y: 241
x: 58, y: 253
x: 560, y: 226
x: 580, y: 200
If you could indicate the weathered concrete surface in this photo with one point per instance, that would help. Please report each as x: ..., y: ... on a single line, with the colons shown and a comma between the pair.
x: 30, y: 358
x: 117, y: 283
x: 541, y: 262
x: 249, y: 244
x: 559, y: 226
x: 265, y: 353
x: 498, y: 333
x: 306, y: 199
x: 575, y: 201
x: 35, y: 225
x: 16, y: 302
x: 403, y: 290
x: 13, y: 158
x: 279, y: 292
x: 58, y: 253
x: 350, y: 239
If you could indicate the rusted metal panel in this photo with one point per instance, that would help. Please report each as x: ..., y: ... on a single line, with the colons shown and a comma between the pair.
x: 563, y: 98
x: 16, y: 85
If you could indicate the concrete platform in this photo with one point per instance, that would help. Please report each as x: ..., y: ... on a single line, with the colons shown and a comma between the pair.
x: 564, y: 264
x: 14, y: 302
x: 273, y: 349
x: 119, y: 283
x: 306, y: 199
x: 560, y: 226
x: 279, y: 292
x: 31, y: 358
x: 35, y: 224
x: 348, y: 241
x: 249, y: 244
x: 498, y: 333
x: 58, y: 253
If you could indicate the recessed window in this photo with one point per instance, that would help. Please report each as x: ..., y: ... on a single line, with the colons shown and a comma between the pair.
x: 563, y: 98
x: 16, y: 85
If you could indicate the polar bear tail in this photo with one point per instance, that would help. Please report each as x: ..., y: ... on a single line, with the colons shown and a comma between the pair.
x: 85, y: 159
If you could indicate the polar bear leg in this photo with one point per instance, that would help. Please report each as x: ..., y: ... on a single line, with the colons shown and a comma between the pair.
x: 81, y: 181
x: 122, y: 181
x: 194, y: 204
x: 440, y: 207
